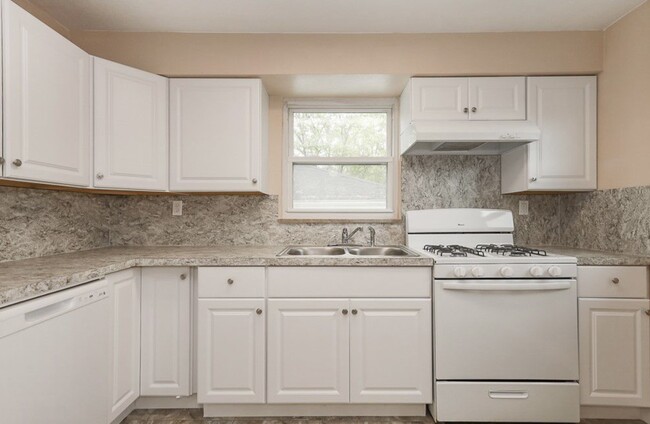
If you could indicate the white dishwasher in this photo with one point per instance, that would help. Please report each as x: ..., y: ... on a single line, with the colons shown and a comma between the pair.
x: 54, y: 358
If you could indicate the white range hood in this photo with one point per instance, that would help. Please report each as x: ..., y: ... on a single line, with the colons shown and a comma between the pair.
x: 466, y: 137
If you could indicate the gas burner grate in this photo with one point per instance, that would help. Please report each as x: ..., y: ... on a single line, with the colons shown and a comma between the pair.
x: 510, y: 250
x: 453, y: 250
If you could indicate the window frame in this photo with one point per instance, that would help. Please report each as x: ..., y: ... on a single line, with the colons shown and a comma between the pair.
x: 391, y: 161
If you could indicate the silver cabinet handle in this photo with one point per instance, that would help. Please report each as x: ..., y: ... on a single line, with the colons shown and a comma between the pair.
x: 231, y: 281
x: 17, y: 162
x: 258, y: 311
x: 354, y: 312
x: 254, y: 180
x: 465, y: 110
x: 344, y: 311
x: 100, y: 175
x: 183, y: 276
x: 615, y: 280
x: 533, y: 179
x: 474, y: 109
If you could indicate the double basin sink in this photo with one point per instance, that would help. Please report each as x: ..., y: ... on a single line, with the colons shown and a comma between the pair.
x: 383, y: 251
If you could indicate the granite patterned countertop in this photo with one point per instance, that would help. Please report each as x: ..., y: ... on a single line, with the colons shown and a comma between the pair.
x: 599, y: 257
x: 29, y: 278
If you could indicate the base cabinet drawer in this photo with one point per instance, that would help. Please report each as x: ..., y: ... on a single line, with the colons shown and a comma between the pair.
x: 507, y: 402
x: 217, y: 282
x: 613, y: 281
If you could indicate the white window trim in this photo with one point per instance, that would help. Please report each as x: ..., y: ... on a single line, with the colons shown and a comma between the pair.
x: 393, y: 164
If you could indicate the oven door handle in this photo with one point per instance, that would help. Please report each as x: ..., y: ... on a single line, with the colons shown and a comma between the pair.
x: 507, y: 286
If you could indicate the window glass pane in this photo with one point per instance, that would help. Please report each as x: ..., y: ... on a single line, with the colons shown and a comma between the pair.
x: 340, y: 134
x: 340, y: 187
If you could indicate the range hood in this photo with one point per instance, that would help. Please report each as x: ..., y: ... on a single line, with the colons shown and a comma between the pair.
x: 466, y: 137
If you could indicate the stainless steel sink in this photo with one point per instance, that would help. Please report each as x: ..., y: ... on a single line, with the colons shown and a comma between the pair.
x: 385, y: 251
x: 312, y: 251
x: 381, y: 251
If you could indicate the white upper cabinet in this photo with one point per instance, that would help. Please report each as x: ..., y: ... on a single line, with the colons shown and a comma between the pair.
x: 462, y: 99
x: 218, y: 135
x: 564, y: 159
x: 47, y: 102
x: 131, y: 128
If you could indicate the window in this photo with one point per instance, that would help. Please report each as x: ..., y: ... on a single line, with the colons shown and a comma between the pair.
x: 340, y: 160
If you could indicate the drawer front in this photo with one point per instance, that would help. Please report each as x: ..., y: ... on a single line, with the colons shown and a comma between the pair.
x: 613, y: 281
x: 231, y: 282
x: 373, y: 282
x: 508, y: 402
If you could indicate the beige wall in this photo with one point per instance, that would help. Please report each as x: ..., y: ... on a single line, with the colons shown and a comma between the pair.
x: 624, y: 103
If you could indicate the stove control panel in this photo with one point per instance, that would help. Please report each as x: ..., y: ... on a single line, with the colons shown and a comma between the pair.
x: 500, y: 271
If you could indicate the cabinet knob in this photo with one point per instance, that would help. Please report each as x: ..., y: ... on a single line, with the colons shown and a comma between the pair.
x: 254, y: 180
x: 17, y: 162
x: 231, y: 281
x: 465, y: 110
x: 2, y: 160
x: 344, y: 311
x: 647, y: 312
x: 99, y: 175
x: 354, y: 312
x: 474, y: 109
x: 258, y: 311
x: 533, y: 179
x: 615, y: 280
x: 183, y: 276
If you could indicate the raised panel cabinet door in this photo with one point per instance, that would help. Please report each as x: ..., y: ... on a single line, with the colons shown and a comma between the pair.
x: 497, y: 98
x: 390, y: 351
x: 131, y: 128
x: 218, y: 134
x: 308, y: 351
x: 165, y: 332
x: 231, y: 351
x: 564, y: 108
x: 442, y: 99
x: 614, y: 352
x: 47, y: 106
x: 124, y: 340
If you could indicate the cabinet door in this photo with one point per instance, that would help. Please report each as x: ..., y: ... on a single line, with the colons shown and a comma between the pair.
x: 440, y: 99
x: 47, y: 108
x: 497, y: 99
x: 308, y: 351
x: 131, y: 128
x: 165, y: 333
x: 390, y: 351
x: 124, y: 336
x: 614, y: 352
x: 565, y: 156
x: 231, y: 346
x: 218, y: 134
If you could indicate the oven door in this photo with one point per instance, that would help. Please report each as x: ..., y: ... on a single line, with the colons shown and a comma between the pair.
x: 506, y: 330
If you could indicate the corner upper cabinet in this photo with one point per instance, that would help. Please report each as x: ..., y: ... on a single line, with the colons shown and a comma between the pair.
x: 131, y: 128
x: 462, y: 99
x: 564, y: 158
x: 47, y: 108
x: 218, y: 135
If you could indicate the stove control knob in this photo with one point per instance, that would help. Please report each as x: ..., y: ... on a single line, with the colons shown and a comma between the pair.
x: 477, y: 271
x: 536, y: 271
x: 506, y: 271
x: 555, y: 271
x: 459, y: 272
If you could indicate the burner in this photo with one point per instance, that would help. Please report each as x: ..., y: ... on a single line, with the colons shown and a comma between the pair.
x: 510, y: 250
x: 453, y: 250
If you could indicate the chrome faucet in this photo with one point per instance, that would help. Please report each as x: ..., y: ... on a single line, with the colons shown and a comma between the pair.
x: 373, y: 236
x: 345, y: 237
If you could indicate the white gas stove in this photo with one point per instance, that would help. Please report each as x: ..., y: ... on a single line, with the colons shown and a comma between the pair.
x: 505, y: 320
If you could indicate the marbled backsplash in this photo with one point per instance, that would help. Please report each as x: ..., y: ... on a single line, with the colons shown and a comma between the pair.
x: 46, y: 222
x: 41, y: 222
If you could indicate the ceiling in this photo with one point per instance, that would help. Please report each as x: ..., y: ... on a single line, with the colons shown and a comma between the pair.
x: 337, y: 16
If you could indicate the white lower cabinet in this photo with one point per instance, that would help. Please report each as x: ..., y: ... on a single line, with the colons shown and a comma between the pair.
x: 231, y: 351
x: 390, y: 351
x: 308, y: 351
x: 124, y: 340
x: 166, y: 332
x: 614, y: 326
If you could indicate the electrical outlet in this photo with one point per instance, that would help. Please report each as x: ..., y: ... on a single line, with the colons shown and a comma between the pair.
x: 177, y: 208
x: 523, y: 207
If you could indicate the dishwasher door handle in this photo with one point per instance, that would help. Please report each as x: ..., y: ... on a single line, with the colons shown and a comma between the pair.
x: 51, y: 310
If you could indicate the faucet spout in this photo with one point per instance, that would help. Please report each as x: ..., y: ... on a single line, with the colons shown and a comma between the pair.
x: 346, y: 237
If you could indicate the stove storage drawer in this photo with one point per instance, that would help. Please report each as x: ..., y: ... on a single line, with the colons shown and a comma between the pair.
x: 613, y: 281
x: 507, y: 402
